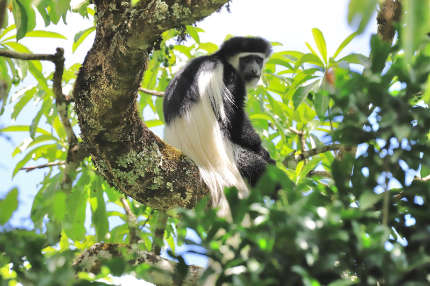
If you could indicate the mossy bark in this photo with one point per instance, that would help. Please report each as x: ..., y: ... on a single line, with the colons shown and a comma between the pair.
x: 124, y: 150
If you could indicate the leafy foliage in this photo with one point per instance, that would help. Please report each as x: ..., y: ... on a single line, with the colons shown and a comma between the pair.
x: 354, y: 211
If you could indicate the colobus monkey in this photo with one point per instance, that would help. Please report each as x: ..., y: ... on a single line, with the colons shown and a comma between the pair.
x: 206, y: 120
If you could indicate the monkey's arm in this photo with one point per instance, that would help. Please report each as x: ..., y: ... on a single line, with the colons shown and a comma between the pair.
x: 244, y: 134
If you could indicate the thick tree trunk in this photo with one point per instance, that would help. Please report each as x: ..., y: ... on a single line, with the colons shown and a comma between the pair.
x: 124, y: 150
x: 389, y: 13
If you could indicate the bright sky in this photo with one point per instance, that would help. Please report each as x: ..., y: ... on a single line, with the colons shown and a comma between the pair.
x: 286, y: 21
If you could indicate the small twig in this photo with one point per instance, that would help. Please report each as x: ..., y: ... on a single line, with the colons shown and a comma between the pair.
x: 312, y: 152
x: 60, y: 99
x: 159, y: 230
x: 425, y: 179
x: 302, y: 142
x: 386, y: 203
x: 62, y: 103
x: 319, y: 174
x: 52, y: 164
x: 295, y: 131
x: 152, y: 92
x: 27, y: 57
x: 131, y: 220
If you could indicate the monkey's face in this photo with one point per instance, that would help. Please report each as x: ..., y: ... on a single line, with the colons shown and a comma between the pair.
x: 250, y: 67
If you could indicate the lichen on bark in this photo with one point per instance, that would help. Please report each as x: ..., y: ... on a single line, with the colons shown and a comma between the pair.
x: 124, y: 150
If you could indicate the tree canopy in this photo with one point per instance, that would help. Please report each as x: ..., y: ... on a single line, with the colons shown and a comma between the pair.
x: 349, y: 133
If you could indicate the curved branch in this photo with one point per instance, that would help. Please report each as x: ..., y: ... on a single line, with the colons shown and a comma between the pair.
x: 162, y: 273
x: 124, y: 150
x: 312, y: 152
x: 152, y: 92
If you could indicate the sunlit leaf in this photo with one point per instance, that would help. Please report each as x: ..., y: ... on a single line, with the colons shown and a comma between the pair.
x: 98, y: 208
x: 25, y: 18
x: 22, y: 128
x: 416, y: 25
x: 41, y: 34
x: 28, y: 95
x: 30, y: 155
x: 303, y: 91
x: 321, y: 103
x: 320, y: 42
x: 81, y: 36
x: 194, y: 33
x: 344, y: 44
x: 311, y: 59
x: 360, y: 12
x: 8, y: 205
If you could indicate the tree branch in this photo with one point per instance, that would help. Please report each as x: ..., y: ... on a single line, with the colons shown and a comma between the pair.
x: 312, y: 152
x: 124, y: 150
x: 425, y: 179
x: 160, y: 228
x: 152, y: 92
x: 131, y: 221
x: 28, y: 57
x: 51, y: 164
x: 389, y: 13
x: 91, y: 261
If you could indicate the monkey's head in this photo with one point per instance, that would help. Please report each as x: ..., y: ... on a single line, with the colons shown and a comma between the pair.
x: 247, y: 56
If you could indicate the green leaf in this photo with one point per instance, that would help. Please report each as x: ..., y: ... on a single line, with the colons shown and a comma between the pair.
x: 98, y: 208
x: 194, y: 33
x: 321, y: 103
x: 303, y: 91
x: 75, y: 216
x: 59, y: 128
x: 81, y: 36
x: 36, y: 71
x: 292, y: 55
x: 360, y: 12
x: 344, y: 44
x: 208, y: 47
x: 22, y: 128
x: 58, y: 206
x: 184, y: 50
x: 7, y: 30
x: 379, y: 53
x: 355, y: 58
x: 426, y: 96
x: 309, y: 166
x: 8, y: 205
x: 320, y: 41
x: 35, y: 122
x: 311, y: 59
x: 153, y: 123
x: 415, y: 25
x: 25, y: 145
x: 28, y: 95
x: 368, y: 199
x: 25, y: 18
x: 61, y: 8
x: 40, y: 34
x: 33, y: 152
